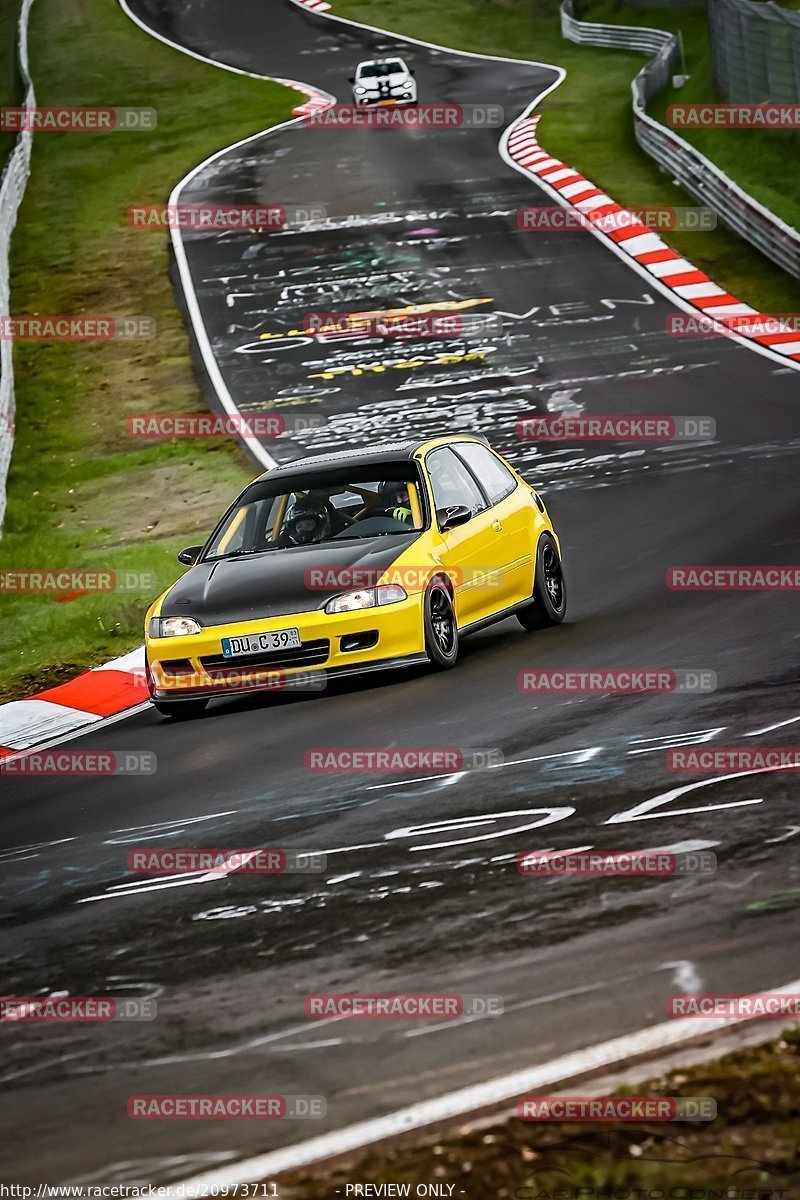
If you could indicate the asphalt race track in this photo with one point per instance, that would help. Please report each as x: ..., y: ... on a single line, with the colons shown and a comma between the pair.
x: 421, y: 891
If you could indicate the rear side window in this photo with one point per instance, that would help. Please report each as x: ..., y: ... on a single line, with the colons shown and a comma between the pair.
x: 452, y: 483
x: 495, y: 478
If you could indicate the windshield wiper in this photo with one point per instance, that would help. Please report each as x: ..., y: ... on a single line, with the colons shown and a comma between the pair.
x: 242, y: 553
x: 352, y: 537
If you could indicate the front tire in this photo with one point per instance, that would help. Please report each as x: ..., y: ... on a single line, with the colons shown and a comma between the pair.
x: 180, y: 710
x: 441, y: 628
x: 549, y: 605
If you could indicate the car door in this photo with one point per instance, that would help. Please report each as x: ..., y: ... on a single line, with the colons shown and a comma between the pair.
x: 513, y: 519
x: 470, y: 552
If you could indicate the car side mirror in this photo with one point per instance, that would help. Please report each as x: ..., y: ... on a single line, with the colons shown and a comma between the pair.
x: 411, y: 71
x: 449, y: 518
x: 190, y: 555
x: 351, y: 78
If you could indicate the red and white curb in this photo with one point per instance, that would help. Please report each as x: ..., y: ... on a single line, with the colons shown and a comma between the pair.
x: 316, y: 101
x: 647, y: 249
x: 75, y: 706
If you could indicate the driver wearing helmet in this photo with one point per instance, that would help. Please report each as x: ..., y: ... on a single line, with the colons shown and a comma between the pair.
x: 307, y: 521
x: 395, y: 495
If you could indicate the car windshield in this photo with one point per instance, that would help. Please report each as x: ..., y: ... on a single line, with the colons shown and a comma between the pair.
x: 373, y: 500
x: 391, y: 67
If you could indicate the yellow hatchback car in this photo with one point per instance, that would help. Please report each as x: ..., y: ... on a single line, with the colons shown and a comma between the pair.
x: 354, y: 561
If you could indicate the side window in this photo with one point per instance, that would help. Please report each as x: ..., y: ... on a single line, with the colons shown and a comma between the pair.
x: 232, y: 536
x: 495, y: 478
x: 268, y: 511
x: 452, y: 483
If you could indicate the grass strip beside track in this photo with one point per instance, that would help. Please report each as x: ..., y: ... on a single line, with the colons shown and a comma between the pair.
x: 81, y: 493
x: 587, y: 121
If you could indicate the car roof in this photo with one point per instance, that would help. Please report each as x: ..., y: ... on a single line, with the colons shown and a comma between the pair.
x: 381, y: 452
x: 370, y: 62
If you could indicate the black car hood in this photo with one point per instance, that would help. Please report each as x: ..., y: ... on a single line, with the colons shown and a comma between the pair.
x: 279, y: 582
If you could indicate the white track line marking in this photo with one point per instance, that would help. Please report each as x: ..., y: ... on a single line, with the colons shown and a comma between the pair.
x: 616, y: 1053
x: 769, y: 728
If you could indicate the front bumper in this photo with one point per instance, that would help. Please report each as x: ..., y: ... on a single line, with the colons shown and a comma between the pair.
x: 194, y: 666
x: 377, y: 100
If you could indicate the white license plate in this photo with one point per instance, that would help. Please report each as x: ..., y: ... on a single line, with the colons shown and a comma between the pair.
x: 260, y: 643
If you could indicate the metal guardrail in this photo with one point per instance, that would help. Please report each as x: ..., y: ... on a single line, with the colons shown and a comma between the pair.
x: 621, y: 37
x: 12, y: 187
x: 687, y: 166
x: 755, y: 50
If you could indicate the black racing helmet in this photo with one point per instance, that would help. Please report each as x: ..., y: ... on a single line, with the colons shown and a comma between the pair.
x: 308, y: 521
x: 394, y: 493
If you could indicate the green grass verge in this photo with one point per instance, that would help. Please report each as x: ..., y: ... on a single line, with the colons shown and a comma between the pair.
x: 587, y: 121
x: 747, y: 1152
x: 760, y: 161
x: 81, y: 493
x: 10, y: 81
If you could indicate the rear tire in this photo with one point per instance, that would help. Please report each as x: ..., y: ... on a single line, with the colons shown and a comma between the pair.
x: 180, y: 710
x: 441, y: 628
x: 549, y: 605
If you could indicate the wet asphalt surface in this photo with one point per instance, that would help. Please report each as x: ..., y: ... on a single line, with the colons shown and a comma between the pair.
x: 420, y: 890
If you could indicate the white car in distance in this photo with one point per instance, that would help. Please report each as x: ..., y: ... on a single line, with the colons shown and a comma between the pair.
x: 384, y: 81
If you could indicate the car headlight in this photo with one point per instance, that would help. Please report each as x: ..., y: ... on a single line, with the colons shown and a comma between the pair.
x: 386, y: 593
x: 172, y: 626
x: 361, y: 91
